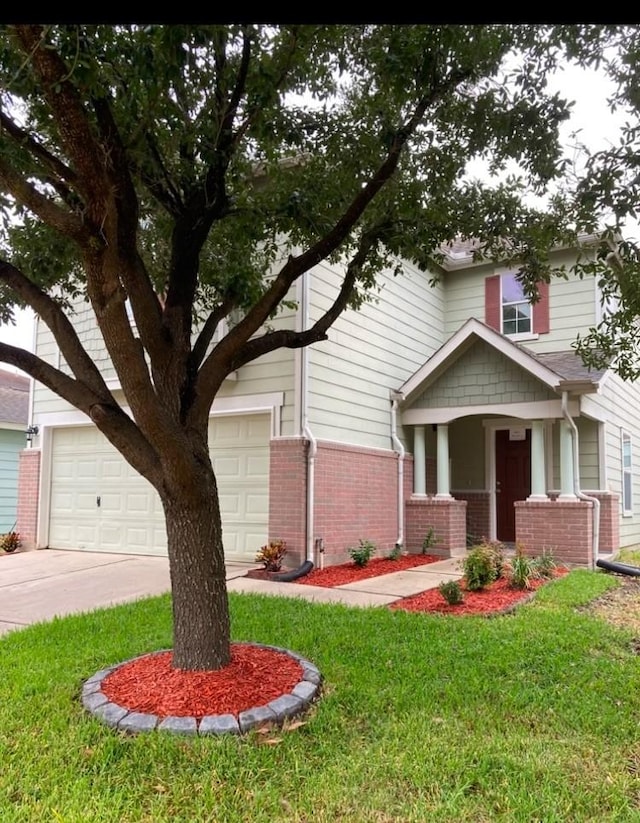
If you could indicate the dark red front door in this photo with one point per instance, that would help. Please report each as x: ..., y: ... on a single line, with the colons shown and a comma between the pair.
x: 513, y: 479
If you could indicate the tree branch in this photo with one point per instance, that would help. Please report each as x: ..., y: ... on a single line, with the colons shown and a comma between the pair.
x: 75, y: 130
x: 210, y: 372
x: 60, y: 326
x: 118, y: 427
x: 43, y: 207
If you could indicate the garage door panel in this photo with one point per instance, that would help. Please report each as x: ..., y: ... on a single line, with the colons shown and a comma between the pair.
x: 130, y: 517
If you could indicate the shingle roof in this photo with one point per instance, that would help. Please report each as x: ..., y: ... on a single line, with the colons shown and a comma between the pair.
x: 568, y: 365
x: 14, y: 398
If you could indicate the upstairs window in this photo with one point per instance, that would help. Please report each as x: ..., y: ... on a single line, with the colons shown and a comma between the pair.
x: 509, y: 311
x: 515, y: 305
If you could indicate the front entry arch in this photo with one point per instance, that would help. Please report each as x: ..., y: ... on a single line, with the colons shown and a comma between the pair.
x: 513, y: 478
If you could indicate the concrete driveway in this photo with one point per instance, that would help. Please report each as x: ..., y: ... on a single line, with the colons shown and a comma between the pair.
x: 39, y: 585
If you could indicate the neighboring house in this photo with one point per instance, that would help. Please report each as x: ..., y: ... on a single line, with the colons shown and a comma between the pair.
x: 14, y: 410
x: 452, y: 408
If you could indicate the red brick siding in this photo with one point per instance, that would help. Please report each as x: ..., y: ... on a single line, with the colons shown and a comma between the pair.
x: 28, y: 493
x: 447, y: 518
x: 478, y: 516
x: 288, y: 496
x: 609, y: 540
x: 563, y: 526
x: 356, y: 498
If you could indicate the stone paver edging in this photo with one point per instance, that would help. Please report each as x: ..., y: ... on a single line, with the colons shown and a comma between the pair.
x: 274, y: 713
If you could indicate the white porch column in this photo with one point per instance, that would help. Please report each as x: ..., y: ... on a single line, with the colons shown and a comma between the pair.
x: 419, y: 462
x: 443, y: 484
x: 566, y: 462
x: 538, y: 473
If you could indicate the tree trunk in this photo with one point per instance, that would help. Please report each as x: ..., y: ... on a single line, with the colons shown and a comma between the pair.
x: 201, y: 631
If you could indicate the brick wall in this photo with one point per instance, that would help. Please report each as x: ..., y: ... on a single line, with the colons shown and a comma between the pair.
x: 447, y: 518
x: 478, y: 517
x: 563, y: 526
x: 28, y: 490
x: 288, y: 496
x: 609, y: 540
x: 356, y: 498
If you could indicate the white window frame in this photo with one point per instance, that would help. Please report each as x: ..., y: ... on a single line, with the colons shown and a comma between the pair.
x: 626, y: 471
x: 517, y: 335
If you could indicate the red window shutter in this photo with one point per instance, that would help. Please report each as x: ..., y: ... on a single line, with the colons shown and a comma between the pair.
x: 492, y: 305
x: 541, y: 310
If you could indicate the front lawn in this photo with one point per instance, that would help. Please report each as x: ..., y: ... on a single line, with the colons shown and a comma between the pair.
x: 528, y: 717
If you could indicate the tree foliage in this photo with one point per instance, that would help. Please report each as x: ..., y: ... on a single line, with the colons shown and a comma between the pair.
x: 196, y: 173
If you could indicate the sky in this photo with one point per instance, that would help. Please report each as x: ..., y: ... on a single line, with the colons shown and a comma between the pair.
x: 598, y: 128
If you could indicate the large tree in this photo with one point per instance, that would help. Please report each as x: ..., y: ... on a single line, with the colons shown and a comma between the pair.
x: 197, y: 171
x: 603, y: 197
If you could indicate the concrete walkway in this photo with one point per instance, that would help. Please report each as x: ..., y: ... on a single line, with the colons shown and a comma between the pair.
x: 39, y: 585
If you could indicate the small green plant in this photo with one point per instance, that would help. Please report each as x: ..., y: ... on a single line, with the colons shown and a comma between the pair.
x: 396, y: 552
x: 483, y: 564
x: 452, y: 592
x: 522, y: 569
x: 545, y: 564
x: 271, y: 555
x: 10, y: 541
x: 429, y: 540
x: 362, y: 553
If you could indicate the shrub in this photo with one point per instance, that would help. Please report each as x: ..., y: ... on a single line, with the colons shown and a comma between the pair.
x: 396, y: 552
x: 452, y: 592
x: 545, y: 564
x: 522, y: 569
x: 271, y: 555
x: 429, y: 540
x: 362, y: 553
x: 10, y: 541
x: 482, y: 565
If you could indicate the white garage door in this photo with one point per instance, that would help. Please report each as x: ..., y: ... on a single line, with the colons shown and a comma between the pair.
x: 99, y: 503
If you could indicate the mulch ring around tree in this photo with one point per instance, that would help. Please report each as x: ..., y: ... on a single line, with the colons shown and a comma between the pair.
x: 499, y: 597
x: 262, y: 687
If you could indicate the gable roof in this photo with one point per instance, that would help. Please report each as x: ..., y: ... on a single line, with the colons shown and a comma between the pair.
x: 14, y: 398
x: 560, y: 371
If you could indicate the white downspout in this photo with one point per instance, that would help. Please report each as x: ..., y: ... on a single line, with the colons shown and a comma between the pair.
x: 306, y: 430
x: 576, y: 478
x: 399, y: 449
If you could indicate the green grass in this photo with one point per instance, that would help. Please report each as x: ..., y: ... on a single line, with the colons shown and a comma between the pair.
x: 530, y: 717
x: 630, y: 556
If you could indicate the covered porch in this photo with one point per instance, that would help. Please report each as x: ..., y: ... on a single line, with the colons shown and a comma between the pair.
x: 507, y: 446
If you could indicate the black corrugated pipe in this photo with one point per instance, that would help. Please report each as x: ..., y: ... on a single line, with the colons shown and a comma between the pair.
x: 294, y: 574
x: 620, y: 568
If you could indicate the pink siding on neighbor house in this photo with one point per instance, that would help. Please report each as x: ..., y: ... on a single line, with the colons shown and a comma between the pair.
x: 28, y: 491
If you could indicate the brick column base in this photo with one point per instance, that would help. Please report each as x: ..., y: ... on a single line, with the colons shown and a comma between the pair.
x: 609, y: 539
x: 447, y: 518
x: 478, y: 514
x: 28, y: 491
x: 564, y: 527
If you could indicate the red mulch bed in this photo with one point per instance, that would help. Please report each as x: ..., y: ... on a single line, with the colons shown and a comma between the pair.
x: 351, y: 573
x: 254, y: 677
x: 497, y: 598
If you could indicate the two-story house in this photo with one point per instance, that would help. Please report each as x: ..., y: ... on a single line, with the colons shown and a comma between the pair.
x: 454, y: 409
